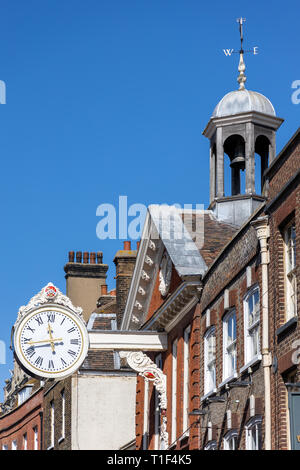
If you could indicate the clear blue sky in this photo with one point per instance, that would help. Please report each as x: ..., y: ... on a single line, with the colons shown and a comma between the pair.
x: 109, y: 98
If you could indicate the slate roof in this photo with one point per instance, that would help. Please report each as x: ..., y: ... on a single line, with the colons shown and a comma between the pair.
x: 193, y: 239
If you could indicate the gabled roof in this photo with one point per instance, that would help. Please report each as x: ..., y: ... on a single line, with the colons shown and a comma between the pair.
x: 192, y: 239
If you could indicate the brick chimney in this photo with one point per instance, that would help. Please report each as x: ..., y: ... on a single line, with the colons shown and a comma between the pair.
x: 125, y: 262
x: 85, y: 274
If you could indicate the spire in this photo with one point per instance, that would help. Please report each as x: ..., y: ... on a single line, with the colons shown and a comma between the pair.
x: 241, y: 68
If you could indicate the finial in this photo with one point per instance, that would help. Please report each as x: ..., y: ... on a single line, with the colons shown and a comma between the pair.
x: 241, y: 68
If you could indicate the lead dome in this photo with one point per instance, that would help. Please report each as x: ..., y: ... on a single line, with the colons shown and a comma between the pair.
x: 242, y: 101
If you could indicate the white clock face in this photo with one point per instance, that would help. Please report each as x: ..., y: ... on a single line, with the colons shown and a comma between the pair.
x: 51, y: 342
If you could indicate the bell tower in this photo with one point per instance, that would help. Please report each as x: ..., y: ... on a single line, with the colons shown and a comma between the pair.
x: 242, y: 135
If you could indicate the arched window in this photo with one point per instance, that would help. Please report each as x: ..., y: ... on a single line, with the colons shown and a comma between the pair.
x: 231, y: 440
x: 253, y: 433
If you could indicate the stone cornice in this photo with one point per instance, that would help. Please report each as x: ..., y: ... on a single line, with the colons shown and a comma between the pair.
x: 262, y: 119
x: 86, y: 270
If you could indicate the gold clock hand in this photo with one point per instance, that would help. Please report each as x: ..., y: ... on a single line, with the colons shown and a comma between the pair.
x: 51, y: 337
x: 45, y: 341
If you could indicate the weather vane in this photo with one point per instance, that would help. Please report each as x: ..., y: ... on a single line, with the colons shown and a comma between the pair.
x: 241, y: 68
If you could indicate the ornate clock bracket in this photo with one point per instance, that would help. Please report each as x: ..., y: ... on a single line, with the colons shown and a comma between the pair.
x: 147, y: 369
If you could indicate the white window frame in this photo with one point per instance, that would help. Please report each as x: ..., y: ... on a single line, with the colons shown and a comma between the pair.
x: 174, y: 390
x: 290, y: 270
x: 25, y: 441
x: 186, y: 377
x: 52, y: 423
x: 157, y: 416
x: 146, y: 415
x: 63, y: 414
x: 254, y: 428
x: 24, y: 393
x: 14, y: 445
x: 209, y: 364
x: 251, y: 331
x: 229, y: 348
x: 35, y: 438
x: 4, y: 446
x: 230, y: 436
x: 211, y: 445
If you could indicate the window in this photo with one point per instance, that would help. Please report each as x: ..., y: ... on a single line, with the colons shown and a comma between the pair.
x: 4, y: 447
x: 253, y: 434
x: 25, y: 441
x: 146, y: 415
x: 230, y: 440
x: 229, y: 345
x: 212, y: 445
x: 157, y: 416
x: 24, y: 394
x: 186, y: 357
x: 63, y: 411
x: 251, y: 324
x: 35, y: 438
x: 14, y: 445
x: 290, y: 271
x: 52, y: 423
x: 174, y: 390
x: 210, y: 360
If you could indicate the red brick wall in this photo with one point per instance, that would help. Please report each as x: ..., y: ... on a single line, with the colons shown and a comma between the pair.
x: 22, y: 420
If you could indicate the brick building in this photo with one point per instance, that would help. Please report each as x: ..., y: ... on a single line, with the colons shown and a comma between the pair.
x: 222, y: 285
x: 21, y: 420
x: 282, y: 209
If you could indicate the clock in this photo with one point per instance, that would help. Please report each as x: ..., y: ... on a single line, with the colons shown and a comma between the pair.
x: 50, y: 340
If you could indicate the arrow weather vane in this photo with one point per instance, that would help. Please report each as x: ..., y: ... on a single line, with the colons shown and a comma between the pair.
x: 241, y: 68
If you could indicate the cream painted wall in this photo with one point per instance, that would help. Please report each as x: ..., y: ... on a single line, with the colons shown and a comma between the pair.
x: 103, y: 411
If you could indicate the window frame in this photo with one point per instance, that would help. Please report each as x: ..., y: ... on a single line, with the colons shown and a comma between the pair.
x: 249, y: 355
x: 254, y: 424
x: 232, y: 434
x: 229, y: 372
x: 209, y: 385
x: 290, y: 278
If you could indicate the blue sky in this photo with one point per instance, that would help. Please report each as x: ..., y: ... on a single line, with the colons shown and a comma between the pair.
x: 108, y: 98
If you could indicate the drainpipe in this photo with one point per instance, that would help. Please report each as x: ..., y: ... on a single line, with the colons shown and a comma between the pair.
x: 263, y: 233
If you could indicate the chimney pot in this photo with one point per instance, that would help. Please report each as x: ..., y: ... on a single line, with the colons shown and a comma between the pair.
x: 99, y: 257
x: 138, y: 245
x: 78, y: 256
x: 71, y: 256
x: 86, y: 257
x: 103, y: 289
x: 127, y: 246
x: 93, y: 258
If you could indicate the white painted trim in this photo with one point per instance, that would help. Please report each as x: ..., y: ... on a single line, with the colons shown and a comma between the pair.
x: 174, y: 390
x: 146, y: 415
x: 126, y: 340
x: 186, y: 369
x: 251, y: 363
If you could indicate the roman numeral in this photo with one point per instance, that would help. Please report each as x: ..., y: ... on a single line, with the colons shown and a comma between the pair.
x: 51, y: 365
x: 39, y: 320
x: 51, y: 317
x: 30, y: 351
x: 74, y: 341
x: 39, y: 361
x: 70, y: 330
x: 63, y: 320
x: 31, y: 329
x: 63, y: 362
x: 26, y: 340
x: 72, y: 353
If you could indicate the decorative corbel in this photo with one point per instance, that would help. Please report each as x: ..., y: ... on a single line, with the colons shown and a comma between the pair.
x: 147, y: 369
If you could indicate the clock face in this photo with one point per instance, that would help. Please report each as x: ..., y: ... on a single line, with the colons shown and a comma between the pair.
x: 51, y: 342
